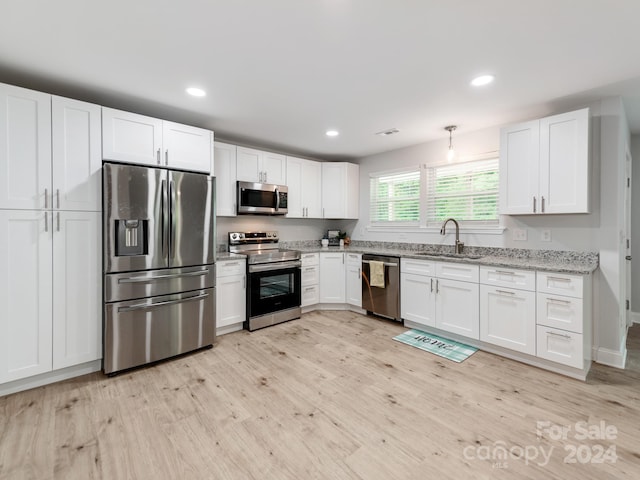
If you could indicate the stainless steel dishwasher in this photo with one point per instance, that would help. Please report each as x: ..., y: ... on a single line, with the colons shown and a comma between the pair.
x: 381, y: 297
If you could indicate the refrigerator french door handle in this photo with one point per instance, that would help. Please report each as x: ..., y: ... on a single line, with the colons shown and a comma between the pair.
x: 163, y: 203
x: 144, y: 306
x: 172, y: 219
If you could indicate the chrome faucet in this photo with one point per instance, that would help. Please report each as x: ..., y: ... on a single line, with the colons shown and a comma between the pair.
x: 459, y: 244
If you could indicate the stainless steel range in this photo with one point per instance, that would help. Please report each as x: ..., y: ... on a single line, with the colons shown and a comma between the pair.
x: 273, y: 289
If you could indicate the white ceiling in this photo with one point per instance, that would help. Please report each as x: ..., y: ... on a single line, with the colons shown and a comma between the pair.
x: 280, y: 72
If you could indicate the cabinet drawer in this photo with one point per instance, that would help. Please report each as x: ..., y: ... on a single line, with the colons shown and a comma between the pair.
x: 310, y: 295
x: 458, y: 271
x: 418, y: 267
x: 310, y: 259
x: 230, y: 267
x: 354, y: 259
x: 560, y: 284
x: 560, y: 346
x: 310, y: 275
x: 560, y: 312
x: 508, y: 277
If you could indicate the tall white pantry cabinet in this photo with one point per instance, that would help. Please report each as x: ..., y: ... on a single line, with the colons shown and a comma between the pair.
x: 50, y: 233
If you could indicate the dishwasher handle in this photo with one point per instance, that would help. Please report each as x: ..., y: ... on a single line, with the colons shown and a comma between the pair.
x: 386, y: 264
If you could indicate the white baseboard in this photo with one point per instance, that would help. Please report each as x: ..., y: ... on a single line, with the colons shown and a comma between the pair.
x: 50, y: 377
x: 612, y: 358
x: 635, y: 317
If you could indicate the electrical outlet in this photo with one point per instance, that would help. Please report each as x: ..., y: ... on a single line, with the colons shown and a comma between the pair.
x: 545, y: 235
x: 519, y: 234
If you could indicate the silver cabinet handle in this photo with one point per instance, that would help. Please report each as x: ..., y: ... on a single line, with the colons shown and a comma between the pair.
x: 437, y: 286
x: 46, y: 222
x: 266, y: 177
x: 322, y: 212
x: 505, y: 292
x: 359, y: 272
x: 244, y: 282
x: 58, y: 221
x: 228, y: 264
x: 145, y: 306
x: 542, y: 204
x: 558, y: 334
x: 148, y: 278
x: 58, y: 197
x: 46, y: 201
x: 559, y: 301
x: 505, y: 272
x: 534, y: 204
x: 166, y: 157
x: 158, y: 156
x: 561, y: 279
x: 432, y: 285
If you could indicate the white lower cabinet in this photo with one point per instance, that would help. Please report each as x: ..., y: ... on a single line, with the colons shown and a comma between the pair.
x: 508, y: 308
x: 231, y: 299
x: 50, y: 291
x: 417, y: 292
x: 354, y: 279
x: 310, y: 279
x: 560, y: 346
x: 508, y: 318
x: 332, y: 277
x: 457, y: 307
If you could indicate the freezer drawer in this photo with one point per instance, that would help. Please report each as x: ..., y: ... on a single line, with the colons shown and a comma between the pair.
x: 143, y: 331
x: 129, y: 286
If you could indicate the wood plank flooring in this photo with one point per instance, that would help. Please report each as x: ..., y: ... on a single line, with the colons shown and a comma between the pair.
x: 329, y: 396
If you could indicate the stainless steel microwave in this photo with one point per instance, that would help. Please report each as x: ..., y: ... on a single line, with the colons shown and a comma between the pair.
x: 262, y: 198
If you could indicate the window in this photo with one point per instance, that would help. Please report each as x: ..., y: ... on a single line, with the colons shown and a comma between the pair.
x: 426, y: 196
x: 395, y: 197
x: 465, y: 191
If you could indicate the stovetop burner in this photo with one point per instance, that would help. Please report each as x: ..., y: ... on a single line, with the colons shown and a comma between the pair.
x: 260, y: 247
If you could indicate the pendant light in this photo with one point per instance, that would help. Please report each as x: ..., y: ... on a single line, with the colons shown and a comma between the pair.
x: 451, y: 154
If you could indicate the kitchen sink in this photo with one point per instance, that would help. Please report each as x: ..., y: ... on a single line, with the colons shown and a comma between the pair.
x: 450, y: 255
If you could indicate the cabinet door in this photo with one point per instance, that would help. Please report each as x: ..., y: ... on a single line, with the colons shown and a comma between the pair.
x: 274, y: 167
x: 186, y: 147
x: 25, y: 148
x: 230, y: 300
x: 457, y: 307
x: 77, y: 155
x: 248, y: 167
x: 519, y: 153
x: 25, y: 293
x: 417, y: 299
x: 225, y: 173
x: 312, y: 188
x: 334, y: 186
x: 508, y: 318
x: 332, y: 278
x: 354, y: 279
x: 295, y: 184
x: 131, y: 138
x: 564, y: 163
x: 77, y: 292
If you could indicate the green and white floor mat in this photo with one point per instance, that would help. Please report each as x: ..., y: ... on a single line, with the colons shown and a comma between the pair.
x: 443, y: 347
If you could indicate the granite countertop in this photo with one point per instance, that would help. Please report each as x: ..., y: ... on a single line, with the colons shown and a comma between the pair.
x: 542, y: 260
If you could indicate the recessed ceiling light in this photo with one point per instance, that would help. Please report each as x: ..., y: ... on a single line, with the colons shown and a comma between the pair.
x: 196, y: 92
x: 482, y: 80
x: 332, y: 133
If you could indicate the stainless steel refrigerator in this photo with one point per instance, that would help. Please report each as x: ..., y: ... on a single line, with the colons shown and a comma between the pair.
x: 159, y: 264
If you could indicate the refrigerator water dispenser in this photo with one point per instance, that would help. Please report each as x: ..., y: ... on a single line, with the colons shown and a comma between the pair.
x: 132, y: 237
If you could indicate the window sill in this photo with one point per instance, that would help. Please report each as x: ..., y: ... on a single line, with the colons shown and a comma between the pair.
x: 475, y: 230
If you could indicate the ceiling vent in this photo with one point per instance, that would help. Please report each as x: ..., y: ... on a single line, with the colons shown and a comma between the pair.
x: 386, y: 133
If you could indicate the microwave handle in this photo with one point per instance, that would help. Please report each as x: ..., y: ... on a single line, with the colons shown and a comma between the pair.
x: 277, y: 199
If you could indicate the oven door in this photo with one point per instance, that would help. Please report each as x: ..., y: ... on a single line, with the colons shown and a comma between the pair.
x: 273, y: 287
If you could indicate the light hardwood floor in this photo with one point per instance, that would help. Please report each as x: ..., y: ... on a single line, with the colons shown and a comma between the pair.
x: 329, y: 396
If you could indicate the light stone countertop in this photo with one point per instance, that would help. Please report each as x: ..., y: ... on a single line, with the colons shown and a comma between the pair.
x: 581, y: 263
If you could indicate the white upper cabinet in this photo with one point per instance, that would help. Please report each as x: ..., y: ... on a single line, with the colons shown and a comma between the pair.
x: 340, y: 190
x: 187, y: 148
x: 261, y: 167
x: 25, y: 148
x: 544, y: 165
x: 304, y: 180
x: 77, y: 162
x: 224, y: 169
x: 132, y: 138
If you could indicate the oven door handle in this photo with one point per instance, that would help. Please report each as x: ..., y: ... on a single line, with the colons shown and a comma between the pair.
x: 267, y: 267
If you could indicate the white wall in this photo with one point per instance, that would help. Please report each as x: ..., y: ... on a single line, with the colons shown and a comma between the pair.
x: 598, y: 231
x: 635, y: 226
